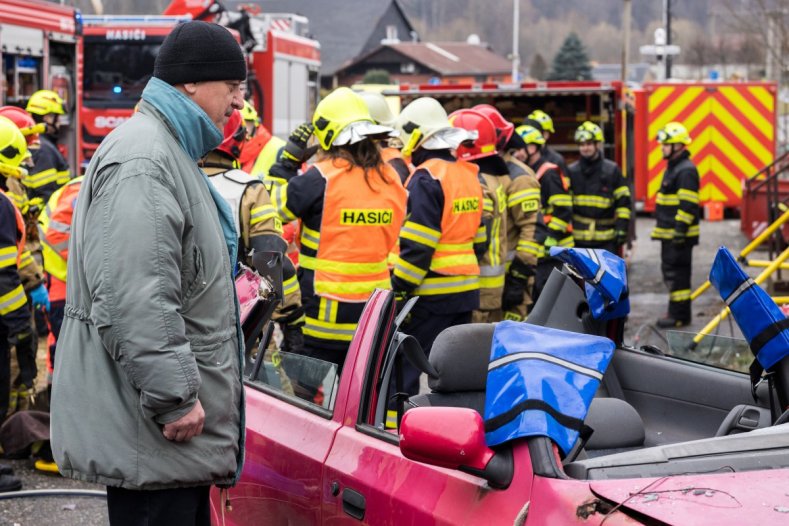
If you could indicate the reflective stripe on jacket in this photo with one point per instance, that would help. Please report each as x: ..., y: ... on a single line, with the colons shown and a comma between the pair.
x: 54, y: 228
x: 677, y: 204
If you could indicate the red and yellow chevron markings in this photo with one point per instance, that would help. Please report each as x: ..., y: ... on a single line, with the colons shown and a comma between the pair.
x: 733, y: 131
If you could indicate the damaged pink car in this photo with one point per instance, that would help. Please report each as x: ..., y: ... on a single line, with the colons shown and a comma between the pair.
x: 675, y: 441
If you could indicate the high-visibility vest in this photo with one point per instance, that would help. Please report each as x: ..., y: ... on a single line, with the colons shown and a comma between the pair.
x: 359, y: 227
x: 54, y: 228
x: 20, y: 230
x: 460, y: 219
x: 231, y: 185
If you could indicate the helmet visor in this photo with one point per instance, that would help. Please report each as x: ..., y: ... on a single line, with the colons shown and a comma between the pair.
x: 360, y: 130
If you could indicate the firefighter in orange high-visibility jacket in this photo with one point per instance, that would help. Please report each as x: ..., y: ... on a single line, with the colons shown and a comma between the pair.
x: 260, y: 150
x: 15, y: 319
x: 257, y: 223
x: 482, y: 152
x: 554, y: 224
x: 351, y: 205
x: 677, y: 222
x: 523, y: 205
x: 54, y: 232
x: 444, y: 234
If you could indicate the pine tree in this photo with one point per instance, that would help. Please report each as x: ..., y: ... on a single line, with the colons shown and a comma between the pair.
x: 571, y: 62
x: 538, y: 69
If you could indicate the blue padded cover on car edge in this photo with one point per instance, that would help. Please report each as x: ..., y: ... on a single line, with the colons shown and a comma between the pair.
x: 541, y: 382
x: 763, y: 324
x: 605, y: 275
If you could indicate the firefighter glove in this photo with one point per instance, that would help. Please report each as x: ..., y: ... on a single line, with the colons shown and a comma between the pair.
x: 515, y: 283
x: 621, y: 237
x: 40, y: 297
x: 292, y: 339
x: 514, y: 292
x: 679, y: 239
x: 296, y: 150
x: 550, y: 241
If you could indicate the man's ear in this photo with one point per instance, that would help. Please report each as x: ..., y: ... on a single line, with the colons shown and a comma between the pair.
x: 190, y: 88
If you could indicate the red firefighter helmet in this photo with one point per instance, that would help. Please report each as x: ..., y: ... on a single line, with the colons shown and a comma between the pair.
x: 472, y: 120
x: 24, y: 121
x: 504, y: 128
x: 235, y: 134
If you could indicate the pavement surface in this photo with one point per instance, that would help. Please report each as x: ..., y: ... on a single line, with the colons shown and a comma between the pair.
x: 649, y: 300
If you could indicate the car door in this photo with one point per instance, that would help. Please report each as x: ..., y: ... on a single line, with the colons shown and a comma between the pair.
x: 367, y: 480
x: 291, y: 420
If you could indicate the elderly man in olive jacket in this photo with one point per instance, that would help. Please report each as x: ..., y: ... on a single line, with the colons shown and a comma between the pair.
x: 147, y: 394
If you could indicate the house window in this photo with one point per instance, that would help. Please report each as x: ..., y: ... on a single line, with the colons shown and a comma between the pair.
x: 408, y: 68
x: 391, y: 33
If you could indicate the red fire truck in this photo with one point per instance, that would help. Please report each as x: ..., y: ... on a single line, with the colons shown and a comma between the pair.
x: 40, y: 49
x: 567, y: 102
x: 119, y: 53
x: 118, y: 56
x: 283, y: 60
x: 732, y: 124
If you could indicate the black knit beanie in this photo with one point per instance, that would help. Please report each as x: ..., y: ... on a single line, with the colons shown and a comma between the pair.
x: 196, y: 51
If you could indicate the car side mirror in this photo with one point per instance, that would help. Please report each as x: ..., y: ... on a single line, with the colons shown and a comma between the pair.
x: 454, y: 437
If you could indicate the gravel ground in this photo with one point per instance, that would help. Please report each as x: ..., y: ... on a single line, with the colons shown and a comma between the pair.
x: 648, y: 302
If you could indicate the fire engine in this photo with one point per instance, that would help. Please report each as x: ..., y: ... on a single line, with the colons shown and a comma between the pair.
x: 119, y: 53
x: 40, y: 49
x: 283, y: 60
x: 733, y: 124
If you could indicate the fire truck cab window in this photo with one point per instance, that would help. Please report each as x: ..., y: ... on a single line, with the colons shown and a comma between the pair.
x: 116, y: 72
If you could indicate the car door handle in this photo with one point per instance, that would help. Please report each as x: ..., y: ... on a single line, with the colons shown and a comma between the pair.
x: 353, y: 503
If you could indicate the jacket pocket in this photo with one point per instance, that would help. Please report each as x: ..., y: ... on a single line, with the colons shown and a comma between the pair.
x: 195, y: 280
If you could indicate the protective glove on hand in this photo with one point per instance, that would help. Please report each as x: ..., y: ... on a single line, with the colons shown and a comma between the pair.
x: 296, y: 148
x: 621, y: 237
x: 679, y: 239
x: 40, y: 297
x: 515, y: 283
x: 550, y: 241
x: 292, y: 339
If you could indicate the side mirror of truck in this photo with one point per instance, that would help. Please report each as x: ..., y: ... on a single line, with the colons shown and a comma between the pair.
x: 454, y: 438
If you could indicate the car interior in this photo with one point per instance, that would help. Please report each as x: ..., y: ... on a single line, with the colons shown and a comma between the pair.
x: 653, y: 415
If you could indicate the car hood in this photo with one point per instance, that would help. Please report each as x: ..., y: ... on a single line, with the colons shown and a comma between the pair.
x: 720, y: 499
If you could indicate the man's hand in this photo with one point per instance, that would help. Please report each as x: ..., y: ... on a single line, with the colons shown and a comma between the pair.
x: 188, y: 426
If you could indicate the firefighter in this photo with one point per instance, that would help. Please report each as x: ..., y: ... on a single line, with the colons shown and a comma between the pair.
x: 257, y: 223
x: 54, y: 231
x: 542, y: 121
x: 443, y: 235
x: 554, y: 227
x: 261, y: 149
x: 677, y: 222
x: 601, y: 197
x: 390, y: 146
x: 523, y: 204
x: 16, y: 278
x: 13, y: 186
x: 351, y: 205
x: 50, y: 169
x: 494, y: 177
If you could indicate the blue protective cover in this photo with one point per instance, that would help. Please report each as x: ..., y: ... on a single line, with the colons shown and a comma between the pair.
x: 606, y: 279
x: 541, y: 382
x: 753, y: 309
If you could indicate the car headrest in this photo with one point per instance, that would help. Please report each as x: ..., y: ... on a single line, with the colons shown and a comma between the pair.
x: 461, y: 354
